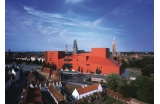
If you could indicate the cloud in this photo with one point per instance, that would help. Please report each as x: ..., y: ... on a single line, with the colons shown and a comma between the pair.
x: 98, y: 22
x: 68, y: 19
x: 74, y: 1
x: 56, y: 28
x: 118, y: 11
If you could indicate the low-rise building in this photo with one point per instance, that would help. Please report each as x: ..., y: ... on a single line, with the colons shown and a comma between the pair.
x: 98, y: 79
x: 86, y: 90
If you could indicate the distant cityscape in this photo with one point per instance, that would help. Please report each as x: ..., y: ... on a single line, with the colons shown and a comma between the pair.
x: 62, y: 77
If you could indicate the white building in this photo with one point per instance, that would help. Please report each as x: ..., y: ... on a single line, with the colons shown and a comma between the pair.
x: 86, y: 90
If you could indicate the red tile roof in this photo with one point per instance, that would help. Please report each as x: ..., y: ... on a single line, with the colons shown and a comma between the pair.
x: 45, y: 69
x: 34, y: 96
x: 58, y: 96
x: 115, y: 93
x: 88, y: 88
x: 119, y: 95
x: 55, y: 73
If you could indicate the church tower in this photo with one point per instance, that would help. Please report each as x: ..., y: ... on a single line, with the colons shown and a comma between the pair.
x: 75, y: 48
x: 66, y: 50
x: 114, y: 47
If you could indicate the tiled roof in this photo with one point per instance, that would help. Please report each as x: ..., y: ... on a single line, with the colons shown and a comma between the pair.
x: 34, y: 96
x: 119, y: 95
x: 31, y: 77
x: 115, y: 93
x: 55, y: 73
x: 58, y: 96
x: 45, y: 69
x: 88, y: 88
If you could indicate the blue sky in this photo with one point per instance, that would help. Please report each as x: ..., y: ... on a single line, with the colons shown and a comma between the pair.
x: 40, y: 25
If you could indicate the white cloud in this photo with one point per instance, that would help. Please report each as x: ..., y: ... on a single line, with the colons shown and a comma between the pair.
x: 69, y: 19
x: 61, y: 29
x: 98, y: 22
x: 74, y: 1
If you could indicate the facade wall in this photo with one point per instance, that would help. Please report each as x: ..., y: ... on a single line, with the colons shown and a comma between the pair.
x: 101, y: 52
x: 75, y: 94
x: 86, y: 61
x: 87, y: 94
x: 55, y: 57
x: 98, y: 79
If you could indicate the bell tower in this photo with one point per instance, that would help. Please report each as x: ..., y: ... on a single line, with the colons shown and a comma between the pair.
x: 75, y: 48
x: 114, y: 47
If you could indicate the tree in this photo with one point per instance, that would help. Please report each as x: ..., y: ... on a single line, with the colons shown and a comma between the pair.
x: 55, y: 66
x: 148, y: 70
x: 122, y: 84
x: 52, y: 66
x: 112, y: 81
x: 79, y: 68
x: 145, y: 89
x: 21, y: 72
x: 115, y: 58
x: 64, y: 66
x: 48, y: 65
x: 97, y: 70
x: 82, y: 70
x: 87, y: 70
x: 124, y: 64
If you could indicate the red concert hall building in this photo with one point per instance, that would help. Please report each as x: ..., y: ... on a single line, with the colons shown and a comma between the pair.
x: 87, y: 62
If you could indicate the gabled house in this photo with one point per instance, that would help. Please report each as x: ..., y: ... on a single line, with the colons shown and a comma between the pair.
x: 86, y: 90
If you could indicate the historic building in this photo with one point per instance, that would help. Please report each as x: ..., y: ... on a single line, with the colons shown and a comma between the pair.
x: 85, y: 90
x: 66, y: 50
x: 114, y: 47
x: 75, y: 48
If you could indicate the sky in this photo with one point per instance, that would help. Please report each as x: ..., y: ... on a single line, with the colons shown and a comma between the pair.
x: 41, y: 25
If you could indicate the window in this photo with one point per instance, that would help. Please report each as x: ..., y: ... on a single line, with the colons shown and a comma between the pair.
x: 87, y: 64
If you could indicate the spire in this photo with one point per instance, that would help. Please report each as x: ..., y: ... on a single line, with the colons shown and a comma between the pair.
x: 114, y: 47
x: 114, y: 40
x: 75, y: 48
x: 66, y: 50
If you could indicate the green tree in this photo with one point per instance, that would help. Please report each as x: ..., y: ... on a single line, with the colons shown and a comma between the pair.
x: 148, y: 70
x: 79, y: 69
x: 112, y: 81
x: 122, y: 84
x: 52, y: 66
x: 64, y: 66
x: 145, y: 89
x: 115, y: 58
x: 21, y: 72
x: 124, y: 64
x: 82, y: 70
x: 55, y: 66
x: 87, y: 70
x: 97, y: 70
